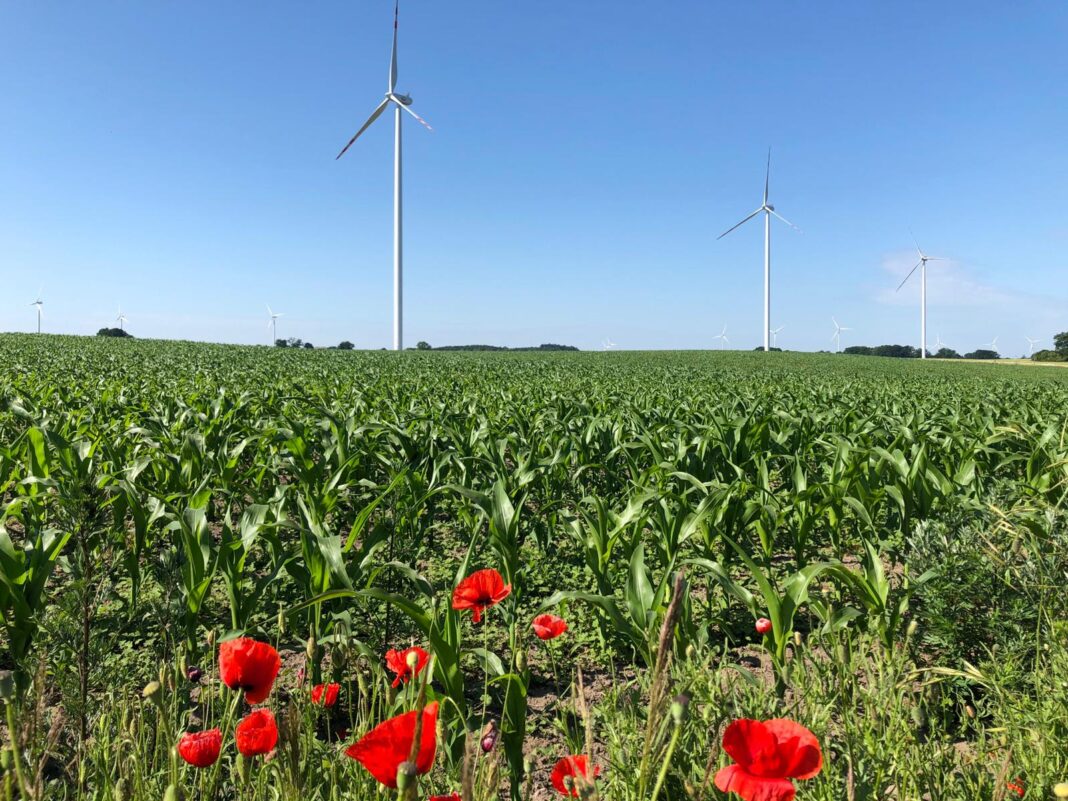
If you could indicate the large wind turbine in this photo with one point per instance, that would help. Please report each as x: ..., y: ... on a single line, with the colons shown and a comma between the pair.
x: 400, y: 103
x: 837, y: 336
x: 768, y: 210
x: 39, y: 303
x: 272, y: 323
x: 922, y: 264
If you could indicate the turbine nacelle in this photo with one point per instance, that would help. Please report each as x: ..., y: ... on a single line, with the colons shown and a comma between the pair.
x: 404, y: 100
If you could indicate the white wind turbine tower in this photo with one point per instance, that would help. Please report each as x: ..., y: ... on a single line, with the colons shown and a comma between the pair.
x: 272, y: 323
x: 768, y: 211
x: 39, y: 303
x: 837, y: 336
x: 922, y: 264
x: 121, y: 320
x: 722, y: 337
x: 1031, y: 346
x: 400, y: 103
x: 775, y: 334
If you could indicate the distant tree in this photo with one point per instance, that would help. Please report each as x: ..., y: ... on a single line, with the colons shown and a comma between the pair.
x: 346, y: 345
x: 294, y: 342
x: 1060, y: 343
x: 761, y: 347
x: 947, y: 353
x: 1049, y: 356
x: 118, y: 333
x: 421, y: 345
x: 281, y: 343
x: 858, y: 350
x: 309, y: 346
x: 982, y: 353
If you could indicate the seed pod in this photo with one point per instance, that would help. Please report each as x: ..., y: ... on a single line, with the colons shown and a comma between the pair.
x: 680, y: 705
x: 153, y: 693
x: 405, y: 775
x: 489, y: 737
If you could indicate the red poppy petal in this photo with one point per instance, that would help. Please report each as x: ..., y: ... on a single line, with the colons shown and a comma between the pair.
x: 382, y: 750
x: 735, y: 779
x: 749, y: 743
x: 798, y: 748
x: 257, y: 733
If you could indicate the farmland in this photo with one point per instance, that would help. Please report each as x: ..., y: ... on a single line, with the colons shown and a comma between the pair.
x: 900, y: 526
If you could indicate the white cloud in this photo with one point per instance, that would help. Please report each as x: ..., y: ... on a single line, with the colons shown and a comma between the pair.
x: 949, y: 283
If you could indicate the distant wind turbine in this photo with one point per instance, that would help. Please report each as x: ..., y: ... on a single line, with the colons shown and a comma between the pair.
x: 768, y: 211
x: 272, y: 323
x: 1031, y: 346
x: 400, y: 103
x: 939, y: 344
x: 608, y: 344
x: 992, y: 344
x: 121, y: 320
x: 39, y: 303
x: 837, y: 336
x: 922, y: 264
x: 775, y: 334
x: 722, y: 337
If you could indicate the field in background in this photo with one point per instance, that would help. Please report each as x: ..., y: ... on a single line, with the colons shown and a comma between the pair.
x: 901, y: 524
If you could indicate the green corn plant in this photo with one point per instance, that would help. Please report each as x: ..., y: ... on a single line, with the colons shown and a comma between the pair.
x: 198, y: 561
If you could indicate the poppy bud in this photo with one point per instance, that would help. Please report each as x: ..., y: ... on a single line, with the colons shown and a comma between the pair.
x: 911, y: 630
x: 311, y: 648
x: 489, y: 737
x: 210, y: 638
x: 242, y: 767
x: 5, y: 759
x: 691, y: 652
x: 969, y: 710
x: 172, y: 793
x: 1060, y: 790
x: 521, y: 661
x: 679, y: 706
x: 405, y: 775
x: 281, y: 622
x: 7, y: 685
x: 153, y: 692
x: 797, y: 639
x: 194, y: 673
x: 118, y: 792
x: 763, y: 625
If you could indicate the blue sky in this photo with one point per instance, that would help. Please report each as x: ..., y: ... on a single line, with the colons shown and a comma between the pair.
x: 178, y: 158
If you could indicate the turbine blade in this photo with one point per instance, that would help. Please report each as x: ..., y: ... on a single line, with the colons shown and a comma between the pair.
x: 907, y: 277
x: 786, y: 221
x: 396, y: 100
x: 269, y: 310
x: 767, y: 178
x: 917, y: 244
x: 393, y: 57
x: 374, y: 116
x: 743, y: 222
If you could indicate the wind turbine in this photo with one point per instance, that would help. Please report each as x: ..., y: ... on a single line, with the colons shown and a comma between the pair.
x: 922, y: 264
x: 775, y: 334
x: 1031, y: 346
x: 400, y: 103
x: 768, y: 210
x: 939, y: 344
x: 608, y: 344
x: 722, y: 337
x: 272, y: 323
x: 992, y: 344
x: 39, y: 303
x: 121, y: 320
x: 837, y: 336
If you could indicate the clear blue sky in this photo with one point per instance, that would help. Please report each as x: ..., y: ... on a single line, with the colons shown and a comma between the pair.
x: 178, y: 158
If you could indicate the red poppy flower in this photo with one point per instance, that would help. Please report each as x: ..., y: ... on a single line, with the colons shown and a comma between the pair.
x: 257, y: 733
x: 768, y: 755
x: 382, y: 750
x: 397, y: 661
x: 479, y: 591
x: 249, y: 665
x: 200, y: 748
x: 763, y: 625
x: 449, y: 797
x: 325, y: 694
x: 549, y: 627
x: 1017, y: 787
x: 570, y: 772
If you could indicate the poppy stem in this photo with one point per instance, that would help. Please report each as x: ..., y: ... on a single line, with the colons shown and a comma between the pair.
x: 230, y: 711
x: 666, y: 762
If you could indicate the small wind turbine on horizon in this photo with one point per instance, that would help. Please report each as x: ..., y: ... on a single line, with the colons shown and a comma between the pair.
x: 1031, y: 346
x: 837, y: 336
x: 722, y: 337
x: 121, y: 320
x: 272, y: 323
x: 939, y: 344
x: 401, y: 103
x: 768, y: 211
x: 608, y: 344
x: 992, y: 344
x: 39, y: 303
x: 922, y: 264
x: 775, y: 334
